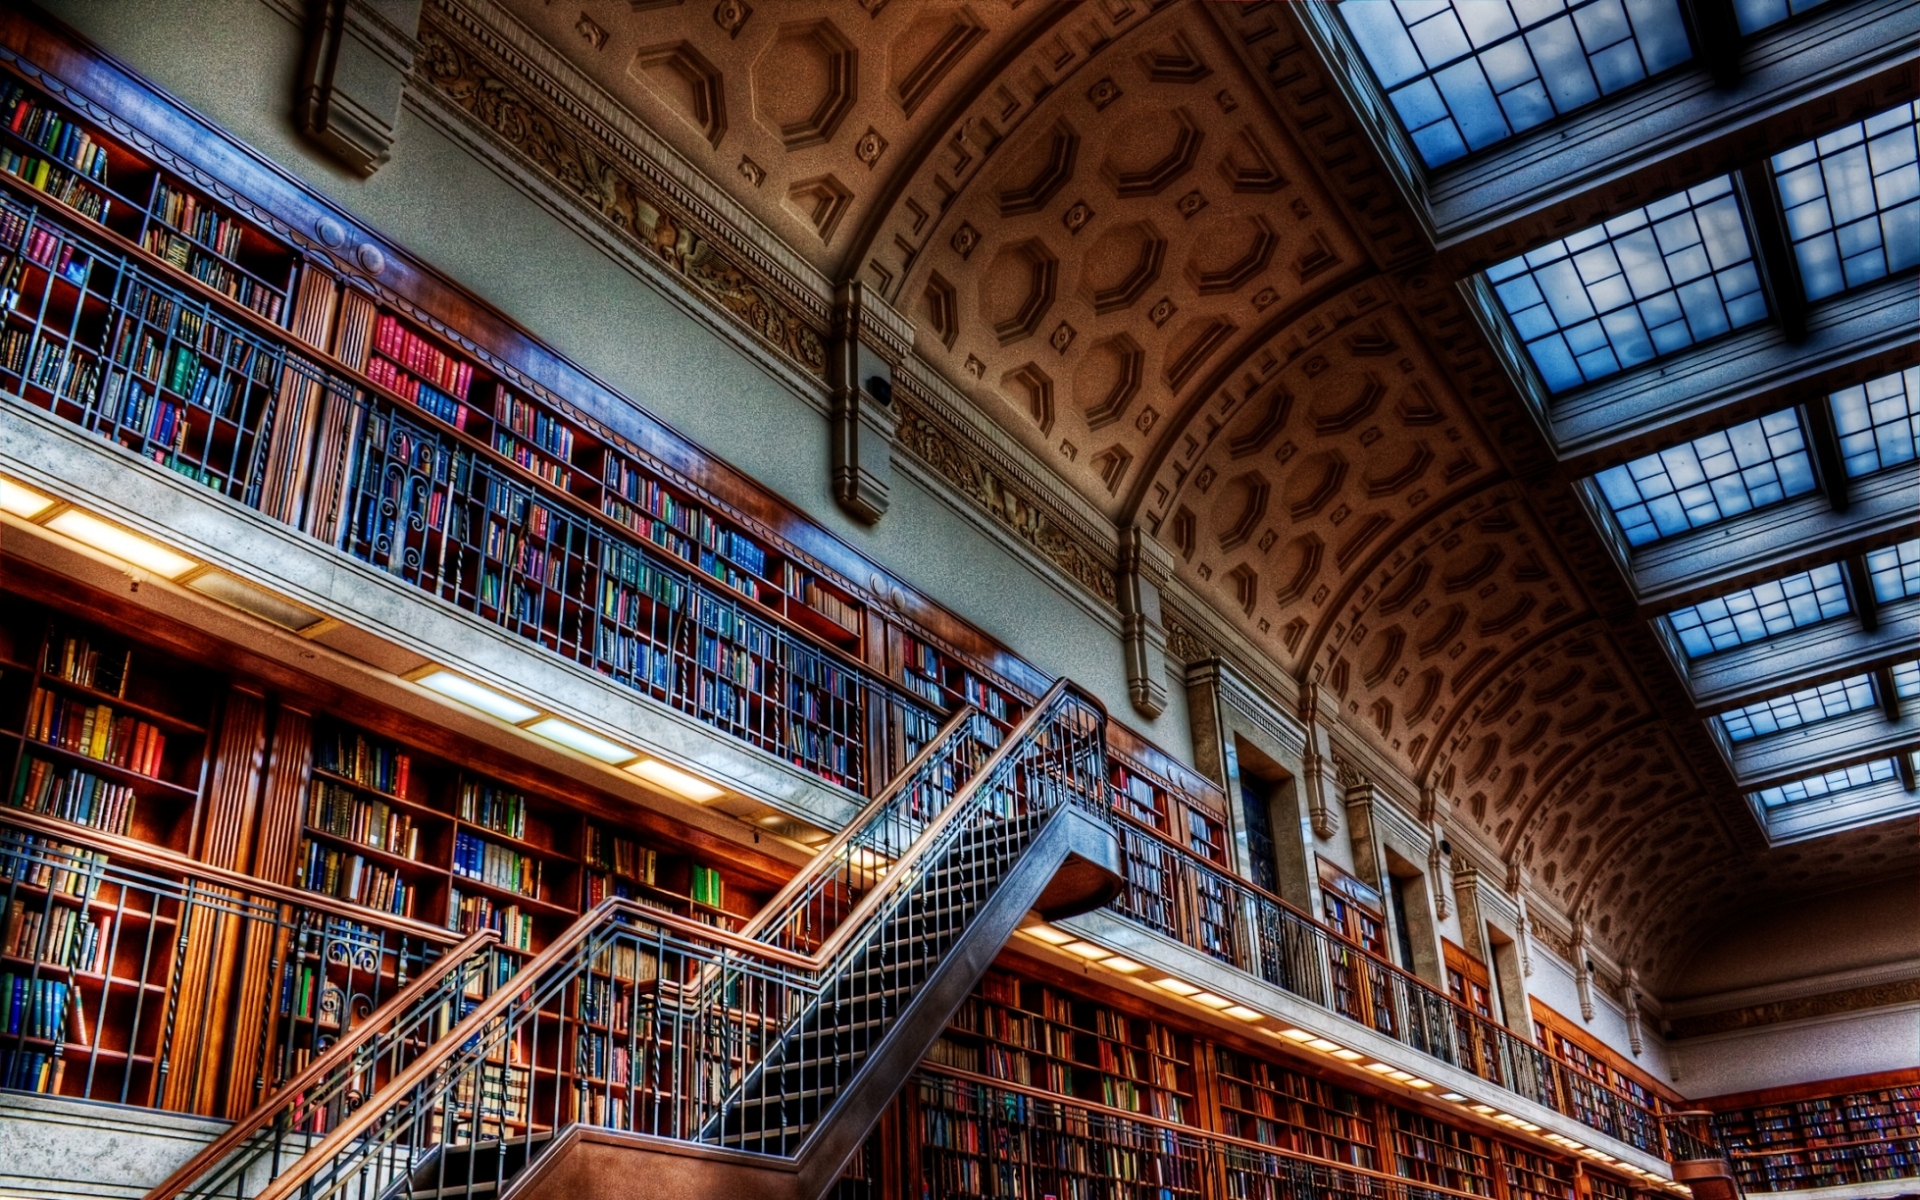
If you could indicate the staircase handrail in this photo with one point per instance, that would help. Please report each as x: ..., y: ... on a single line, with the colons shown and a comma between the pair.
x: 379, y: 1021
x: 811, y: 968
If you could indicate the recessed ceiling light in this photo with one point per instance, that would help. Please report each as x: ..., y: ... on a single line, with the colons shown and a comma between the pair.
x: 1399, y: 1076
x: 144, y: 553
x: 1048, y: 934
x: 1323, y: 1045
x: 1122, y: 964
x: 477, y: 695
x: 567, y: 734
x: 1177, y: 986
x: 1243, y: 1013
x: 1086, y: 949
x: 22, y: 501
x: 1346, y: 1055
x: 675, y: 780
x: 1380, y: 1067
x: 1419, y: 1083
x: 1298, y: 1035
x: 1452, y: 1097
x: 1210, y: 1000
x: 248, y: 598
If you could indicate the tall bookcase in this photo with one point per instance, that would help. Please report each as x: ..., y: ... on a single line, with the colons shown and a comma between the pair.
x: 1794, y: 1140
x: 1275, y: 1106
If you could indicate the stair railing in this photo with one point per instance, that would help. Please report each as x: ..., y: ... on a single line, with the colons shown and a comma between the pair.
x: 657, y: 1024
x: 291, y: 1120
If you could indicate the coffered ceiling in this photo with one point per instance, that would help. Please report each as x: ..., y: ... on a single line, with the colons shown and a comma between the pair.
x: 1150, y: 242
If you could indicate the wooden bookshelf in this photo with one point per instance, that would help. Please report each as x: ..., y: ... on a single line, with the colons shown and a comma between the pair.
x: 1530, y: 1175
x: 1862, y: 1130
x: 1431, y: 1151
x: 1283, y: 1108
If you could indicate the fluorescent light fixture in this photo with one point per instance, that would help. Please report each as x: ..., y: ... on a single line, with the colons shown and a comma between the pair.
x: 21, y: 500
x: 1346, y: 1055
x: 1049, y: 934
x: 676, y: 781
x: 478, y: 695
x: 142, y: 552
x: 1483, y: 1109
x: 1086, y: 949
x: 1399, y: 1076
x: 1380, y: 1067
x: 1177, y: 986
x: 1323, y: 1045
x: 1298, y: 1035
x: 248, y: 598
x: 567, y: 734
x: 1210, y: 1000
x: 1417, y: 1082
x: 1529, y: 1126
x: 1453, y: 1097
x: 1122, y: 964
x: 1241, y: 1012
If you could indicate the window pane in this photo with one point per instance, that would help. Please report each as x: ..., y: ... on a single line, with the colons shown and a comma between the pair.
x: 1852, y: 199
x: 1762, y: 611
x: 1906, y: 679
x: 1709, y: 479
x: 1878, y: 421
x: 1805, y: 707
x: 1499, y: 67
x: 1644, y: 284
x: 1895, y: 571
x: 1827, y: 783
x: 1756, y: 15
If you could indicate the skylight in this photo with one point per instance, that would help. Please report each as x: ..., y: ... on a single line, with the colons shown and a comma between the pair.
x: 1710, y: 479
x: 1808, y: 706
x: 1878, y: 421
x: 1852, y: 200
x: 1647, y: 283
x: 1895, y: 571
x: 1762, y: 611
x: 1827, y: 783
x: 1464, y: 74
x: 1906, y: 679
x: 1755, y: 15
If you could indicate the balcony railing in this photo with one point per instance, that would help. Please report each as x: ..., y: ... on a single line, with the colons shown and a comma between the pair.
x: 176, y: 374
x: 1183, y: 897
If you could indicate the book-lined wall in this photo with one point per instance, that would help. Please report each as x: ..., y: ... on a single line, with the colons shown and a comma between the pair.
x: 1039, y: 1087
x: 1860, y: 1131
x: 141, y: 307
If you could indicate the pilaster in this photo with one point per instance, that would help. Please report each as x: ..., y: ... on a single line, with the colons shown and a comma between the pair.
x: 353, y: 76
x: 870, y: 339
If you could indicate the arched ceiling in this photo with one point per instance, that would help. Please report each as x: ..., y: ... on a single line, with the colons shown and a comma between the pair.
x: 1132, y: 234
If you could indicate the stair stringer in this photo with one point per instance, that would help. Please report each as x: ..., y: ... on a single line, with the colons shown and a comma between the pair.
x: 591, y: 1163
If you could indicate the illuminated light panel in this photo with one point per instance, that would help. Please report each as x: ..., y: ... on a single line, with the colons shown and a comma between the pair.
x: 1122, y: 964
x: 258, y: 601
x: 1380, y: 1067
x: 1049, y: 935
x: 1399, y: 1076
x: 566, y: 733
x: 1453, y: 1097
x: 1297, y: 1035
x: 1086, y: 950
x: 676, y: 781
x: 1483, y: 1109
x: 142, y: 552
x: 1417, y: 1082
x: 1210, y: 1000
x: 1178, y: 987
x: 1324, y: 1045
x: 1346, y: 1055
x: 478, y: 695
x: 1241, y: 1012
x: 22, y: 501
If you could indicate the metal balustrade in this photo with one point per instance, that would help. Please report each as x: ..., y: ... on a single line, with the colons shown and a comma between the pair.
x: 652, y: 1023
x: 174, y: 985
x: 1181, y: 896
x: 96, y: 337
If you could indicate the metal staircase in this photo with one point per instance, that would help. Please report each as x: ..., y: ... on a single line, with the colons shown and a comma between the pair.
x: 644, y: 1053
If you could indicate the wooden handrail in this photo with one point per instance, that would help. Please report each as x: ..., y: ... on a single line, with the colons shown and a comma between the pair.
x: 264, y: 1112
x: 476, y: 1020
x: 159, y: 858
x: 799, y: 883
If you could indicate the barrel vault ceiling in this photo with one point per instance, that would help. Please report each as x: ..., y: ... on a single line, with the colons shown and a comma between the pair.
x: 1147, y: 242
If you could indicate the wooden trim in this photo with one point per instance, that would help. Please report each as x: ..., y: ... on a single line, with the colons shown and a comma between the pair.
x: 1547, y: 1017
x: 1819, y: 1089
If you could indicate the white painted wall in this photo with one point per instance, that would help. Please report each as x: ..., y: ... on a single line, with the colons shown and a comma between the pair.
x: 1858, y: 1043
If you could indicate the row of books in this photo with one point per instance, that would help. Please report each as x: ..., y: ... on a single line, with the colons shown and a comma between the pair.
x: 633, y: 659
x: 182, y: 254
x: 421, y: 358
x: 528, y: 459
x: 497, y: 866
x: 368, y: 763
x: 436, y: 402
x: 74, y: 795
x: 623, y: 856
x: 62, y: 867
x: 691, y: 520
x: 96, y: 731
x: 78, y: 660
x: 343, y: 812
x: 56, y: 935
x: 61, y: 184
x: 351, y: 877
x: 41, y: 246
x: 469, y: 914
x: 51, y: 130
x: 197, y: 219
x: 35, y: 1008
x: 27, y: 1071
x: 494, y: 807
x: 536, y: 426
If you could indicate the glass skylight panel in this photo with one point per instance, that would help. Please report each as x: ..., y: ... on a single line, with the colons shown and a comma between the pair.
x: 1762, y: 611
x: 1805, y: 707
x: 1647, y: 283
x: 1755, y: 15
x: 1710, y: 479
x: 1906, y: 679
x: 1852, y: 200
x: 1895, y: 571
x: 1878, y: 421
x: 1827, y: 783
x: 1464, y: 74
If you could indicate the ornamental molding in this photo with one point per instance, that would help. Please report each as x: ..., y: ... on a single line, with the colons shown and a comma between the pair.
x: 1829, y: 1004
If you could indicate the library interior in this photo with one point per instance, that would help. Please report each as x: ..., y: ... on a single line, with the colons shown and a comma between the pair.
x: 555, y: 641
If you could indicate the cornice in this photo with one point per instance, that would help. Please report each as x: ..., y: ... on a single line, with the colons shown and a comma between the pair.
x: 1892, y: 995
x: 1797, y: 989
